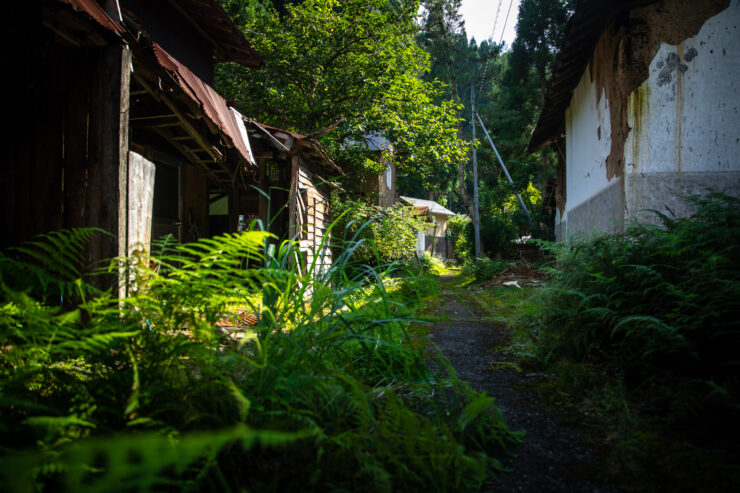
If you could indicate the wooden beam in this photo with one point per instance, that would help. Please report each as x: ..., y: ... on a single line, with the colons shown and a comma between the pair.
x: 293, y: 195
x: 151, y: 117
x: 212, y: 151
x: 190, y: 156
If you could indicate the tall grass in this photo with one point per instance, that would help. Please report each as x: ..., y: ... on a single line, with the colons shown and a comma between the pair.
x: 658, y: 309
x: 328, y: 391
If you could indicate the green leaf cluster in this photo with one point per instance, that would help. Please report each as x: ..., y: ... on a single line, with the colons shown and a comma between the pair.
x: 169, y: 388
x: 657, y: 308
x: 384, y: 235
x: 356, y: 59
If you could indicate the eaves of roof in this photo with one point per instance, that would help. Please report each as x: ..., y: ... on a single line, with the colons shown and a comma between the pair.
x: 211, y: 103
x: 285, y: 140
x: 228, y: 41
x: 581, y: 35
x: 430, y: 205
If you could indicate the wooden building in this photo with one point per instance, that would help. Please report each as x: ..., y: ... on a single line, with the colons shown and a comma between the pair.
x: 296, y: 171
x: 112, y: 122
x: 434, y: 240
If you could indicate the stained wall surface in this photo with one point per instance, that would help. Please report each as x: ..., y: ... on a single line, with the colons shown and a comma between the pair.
x: 685, y: 120
x: 684, y: 133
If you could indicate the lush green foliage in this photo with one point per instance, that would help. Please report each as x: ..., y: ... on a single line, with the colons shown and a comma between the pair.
x: 482, y: 269
x: 460, y: 233
x: 657, y: 309
x: 387, y: 234
x: 356, y: 60
x: 329, y: 390
x: 432, y: 264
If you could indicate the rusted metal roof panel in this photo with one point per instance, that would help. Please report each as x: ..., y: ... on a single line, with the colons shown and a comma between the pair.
x: 229, y: 42
x: 300, y: 143
x: 213, y: 105
x: 96, y: 12
x: 581, y: 35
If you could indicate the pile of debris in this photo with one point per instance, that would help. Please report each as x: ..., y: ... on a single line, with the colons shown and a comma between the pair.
x: 517, y: 275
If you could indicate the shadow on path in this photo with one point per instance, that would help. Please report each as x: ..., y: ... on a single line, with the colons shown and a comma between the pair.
x: 557, y: 454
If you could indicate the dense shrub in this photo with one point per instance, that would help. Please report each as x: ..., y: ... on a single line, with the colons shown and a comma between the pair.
x: 431, y: 264
x: 387, y: 234
x: 328, y: 391
x: 460, y: 233
x: 482, y: 269
x: 658, y: 306
x: 497, y: 234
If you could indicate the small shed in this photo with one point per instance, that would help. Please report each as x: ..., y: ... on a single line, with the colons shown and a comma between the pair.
x: 642, y: 108
x: 295, y: 170
x: 435, y: 238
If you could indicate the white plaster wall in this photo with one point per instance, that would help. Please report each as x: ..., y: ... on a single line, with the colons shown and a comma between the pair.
x: 686, y: 116
x: 685, y: 132
x: 588, y: 142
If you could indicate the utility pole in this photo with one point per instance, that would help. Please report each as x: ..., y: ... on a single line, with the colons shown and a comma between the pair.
x: 476, y: 222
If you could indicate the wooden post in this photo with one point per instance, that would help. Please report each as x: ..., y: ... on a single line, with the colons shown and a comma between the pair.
x: 263, y: 202
x: 107, y: 152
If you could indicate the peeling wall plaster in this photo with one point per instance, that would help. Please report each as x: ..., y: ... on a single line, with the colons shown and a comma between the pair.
x: 659, y: 104
x: 686, y: 116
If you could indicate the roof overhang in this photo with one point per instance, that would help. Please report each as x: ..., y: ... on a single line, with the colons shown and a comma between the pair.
x: 171, y: 83
x: 229, y: 43
x: 581, y: 35
x: 285, y: 141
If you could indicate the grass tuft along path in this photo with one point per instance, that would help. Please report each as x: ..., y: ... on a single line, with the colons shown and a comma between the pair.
x: 557, y: 453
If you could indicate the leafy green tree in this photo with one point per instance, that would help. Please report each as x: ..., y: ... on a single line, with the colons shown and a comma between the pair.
x: 353, y: 64
x: 540, y: 31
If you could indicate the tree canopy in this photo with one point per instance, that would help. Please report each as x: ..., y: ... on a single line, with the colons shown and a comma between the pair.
x: 355, y: 61
x: 379, y: 68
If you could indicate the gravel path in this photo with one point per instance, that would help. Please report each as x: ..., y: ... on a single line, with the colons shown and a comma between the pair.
x: 556, y: 454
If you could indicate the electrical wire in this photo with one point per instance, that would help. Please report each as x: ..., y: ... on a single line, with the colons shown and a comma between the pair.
x: 493, y: 33
x: 505, y: 22
x: 495, y: 20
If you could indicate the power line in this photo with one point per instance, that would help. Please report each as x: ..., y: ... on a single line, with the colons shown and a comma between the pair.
x: 493, y: 33
x: 511, y: 2
x: 495, y: 21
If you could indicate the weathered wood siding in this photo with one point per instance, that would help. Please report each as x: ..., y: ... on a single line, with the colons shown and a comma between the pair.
x: 312, y: 215
x: 65, y: 142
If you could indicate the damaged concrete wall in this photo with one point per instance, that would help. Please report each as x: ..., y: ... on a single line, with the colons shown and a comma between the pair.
x: 655, y: 115
x: 685, y: 120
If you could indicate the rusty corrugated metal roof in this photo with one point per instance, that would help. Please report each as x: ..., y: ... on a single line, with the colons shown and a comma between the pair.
x: 96, y: 12
x: 213, y: 105
x: 581, y: 35
x: 300, y: 143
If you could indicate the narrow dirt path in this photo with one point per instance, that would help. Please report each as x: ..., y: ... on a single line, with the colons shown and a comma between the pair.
x: 557, y: 454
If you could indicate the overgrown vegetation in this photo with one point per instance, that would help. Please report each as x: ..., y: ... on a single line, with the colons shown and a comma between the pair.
x: 460, y: 233
x: 329, y: 390
x: 388, y: 234
x: 637, y: 333
x: 657, y: 307
x: 481, y: 269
